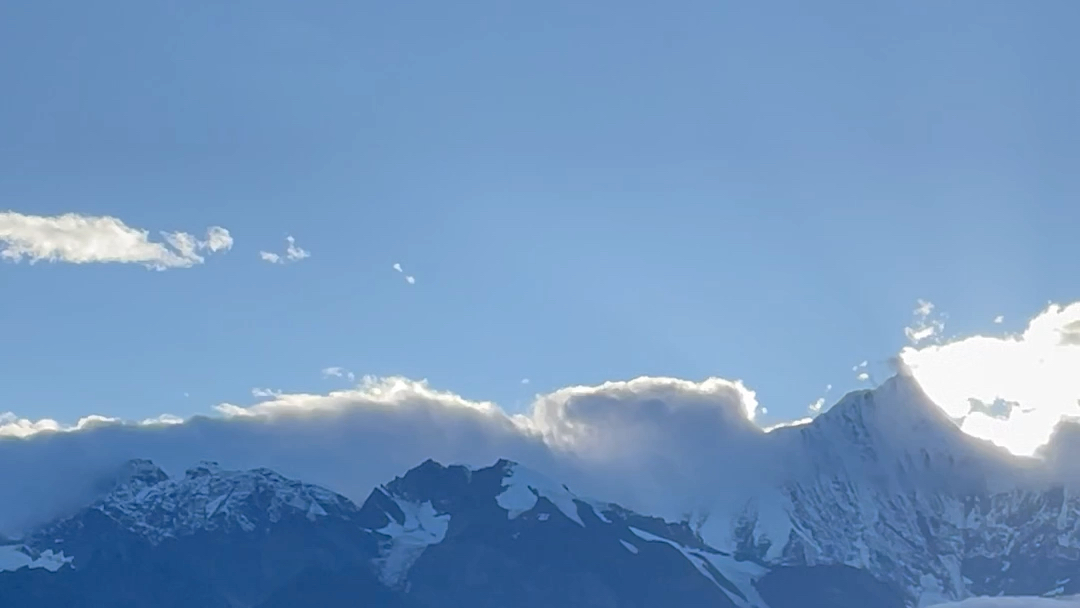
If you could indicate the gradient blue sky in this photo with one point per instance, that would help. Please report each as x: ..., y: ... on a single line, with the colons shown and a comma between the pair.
x: 583, y: 191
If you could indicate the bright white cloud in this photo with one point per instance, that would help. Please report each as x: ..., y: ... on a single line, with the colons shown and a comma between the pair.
x: 863, y: 377
x: 999, y: 319
x: 1013, y: 602
x: 338, y: 372
x: 13, y: 426
x: 815, y: 407
x: 293, y: 253
x: 85, y: 239
x: 1010, y: 389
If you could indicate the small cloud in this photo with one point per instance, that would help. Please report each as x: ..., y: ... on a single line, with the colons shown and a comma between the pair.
x: 338, y: 372
x: 293, y: 253
x: 924, y: 326
x: 524, y: 380
x: 162, y: 420
x: 788, y: 424
x: 863, y: 377
x: 764, y: 411
x: 999, y: 319
x: 861, y: 365
x: 411, y: 280
x: 828, y: 387
x: 187, y: 394
x: 815, y: 407
x: 264, y: 393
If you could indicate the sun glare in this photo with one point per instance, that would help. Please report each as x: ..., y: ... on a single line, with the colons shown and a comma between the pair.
x: 1009, y: 389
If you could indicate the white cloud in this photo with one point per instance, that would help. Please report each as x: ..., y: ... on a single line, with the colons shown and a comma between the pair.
x: 815, y: 407
x: 86, y: 239
x: 925, y: 324
x: 338, y: 372
x: 13, y: 426
x: 999, y: 319
x: 411, y: 280
x: 789, y: 424
x: 293, y: 253
x: 1010, y: 389
x: 863, y: 377
x: 1013, y: 602
x: 265, y: 392
x: 857, y: 367
x: 524, y: 380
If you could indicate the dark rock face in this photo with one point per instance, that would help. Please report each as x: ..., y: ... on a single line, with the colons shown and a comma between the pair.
x: 827, y: 587
x: 348, y: 557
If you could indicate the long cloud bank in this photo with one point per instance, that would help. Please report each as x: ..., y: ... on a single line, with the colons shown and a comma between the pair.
x: 86, y: 239
x: 624, y: 441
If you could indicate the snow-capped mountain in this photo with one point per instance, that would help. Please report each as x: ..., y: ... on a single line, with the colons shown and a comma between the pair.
x: 885, y: 503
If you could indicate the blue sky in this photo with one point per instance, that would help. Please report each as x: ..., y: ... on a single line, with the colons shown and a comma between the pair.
x: 582, y: 193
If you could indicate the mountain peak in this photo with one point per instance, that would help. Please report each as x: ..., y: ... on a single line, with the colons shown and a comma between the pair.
x: 151, y: 504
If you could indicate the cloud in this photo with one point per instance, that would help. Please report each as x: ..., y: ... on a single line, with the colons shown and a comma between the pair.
x: 1013, y: 602
x: 338, y: 372
x: 624, y: 441
x: 86, y: 239
x: 999, y: 319
x: 524, y: 380
x: 292, y: 253
x: 925, y: 324
x: 411, y: 280
x: 815, y: 407
x: 13, y: 426
x: 863, y: 377
x: 1032, y: 375
x: 265, y: 392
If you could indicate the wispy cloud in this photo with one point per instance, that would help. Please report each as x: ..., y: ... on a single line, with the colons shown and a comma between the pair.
x: 999, y: 319
x: 524, y: 380
x: 338, y: 372
x: 293, y: 253
x: 263, y: 393
x: 925, y: 325
x: 86, y: 239
x: 861, y: 374
x: 408, y: 278
x: 815, y: 407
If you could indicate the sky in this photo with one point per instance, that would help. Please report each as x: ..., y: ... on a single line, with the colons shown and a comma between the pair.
x: 226, y: 203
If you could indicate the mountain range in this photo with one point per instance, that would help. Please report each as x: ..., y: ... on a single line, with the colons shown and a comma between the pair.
x: 882, y: 501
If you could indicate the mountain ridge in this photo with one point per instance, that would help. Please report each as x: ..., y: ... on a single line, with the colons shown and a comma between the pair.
x: 890, y: 503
